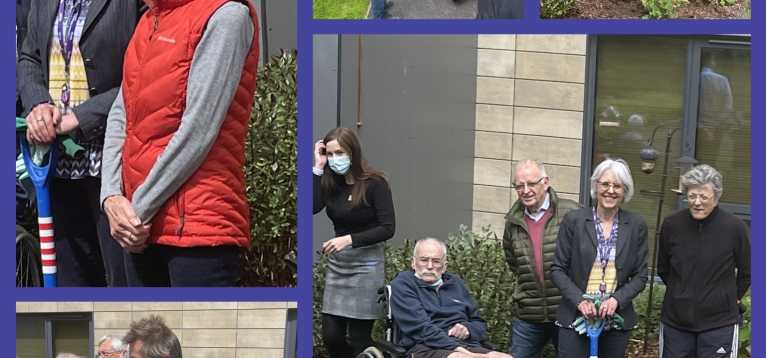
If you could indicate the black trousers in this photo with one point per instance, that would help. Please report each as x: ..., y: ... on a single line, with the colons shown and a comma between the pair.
x: 718, y: 342
x: 611, y: 344
x: 346, y: 337
x: 163, y: 266
x: 86, y: 255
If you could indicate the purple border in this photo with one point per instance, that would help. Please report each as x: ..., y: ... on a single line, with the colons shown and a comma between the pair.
x: 306, y: 27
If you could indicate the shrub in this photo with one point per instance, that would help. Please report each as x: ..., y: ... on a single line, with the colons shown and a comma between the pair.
x: 662, y: 8
x: 555, y: 8
x: 270, y: 176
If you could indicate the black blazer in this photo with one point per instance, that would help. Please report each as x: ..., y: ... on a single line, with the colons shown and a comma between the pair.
x: 108, y: 28
x: 576, y: 251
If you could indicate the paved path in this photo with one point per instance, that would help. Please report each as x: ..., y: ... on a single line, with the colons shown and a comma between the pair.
x: 433, y: 9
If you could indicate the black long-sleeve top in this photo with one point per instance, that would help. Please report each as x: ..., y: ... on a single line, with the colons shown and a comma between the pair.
x: 697, y: 262
x: 368, y: 223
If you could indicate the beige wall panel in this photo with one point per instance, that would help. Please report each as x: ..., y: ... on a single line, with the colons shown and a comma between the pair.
x: 157, y: 306
x: 491, y: 198
x: 260, y: 353
x: 564, y: 179
x: 550, y: 66
x: 112, y: 306
x: 492, y: 90
x: 34, y: 307
x: 492, y: 172
x: 496, y: 222
x: 209, y: 305
x: 493, y: 145
x: 569, y: 44
x: 553, y: 95
x: 551, y: 150
x: 258, y: 305
x: 210, y: 319
x: 548, y: 122
x: 501, y: 42
x: 111, y: 319
x: 266, y: 318
x: 261, y: 338
x: 494, y: 118
x: 207, y: 338
x: 496, y: 63
x: 210, y: 353
x: 75, y: 306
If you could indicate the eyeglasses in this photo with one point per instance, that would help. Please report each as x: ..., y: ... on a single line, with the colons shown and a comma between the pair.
x: 436, y: 261
x: 524, y: 185
x: 702, y: 198
x: 605, y: 186
x: 112, y: 354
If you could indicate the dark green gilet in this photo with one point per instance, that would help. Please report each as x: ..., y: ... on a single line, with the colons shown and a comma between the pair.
x: 534, y: 301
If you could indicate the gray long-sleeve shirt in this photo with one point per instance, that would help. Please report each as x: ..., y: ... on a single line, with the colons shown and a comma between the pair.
x: 214, y: 75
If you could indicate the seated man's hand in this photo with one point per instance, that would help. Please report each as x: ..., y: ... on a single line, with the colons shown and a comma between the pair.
x: 458, y: 331
x: 124, y: 224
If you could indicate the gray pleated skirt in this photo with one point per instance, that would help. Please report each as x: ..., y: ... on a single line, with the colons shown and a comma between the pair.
x: 352, y: 280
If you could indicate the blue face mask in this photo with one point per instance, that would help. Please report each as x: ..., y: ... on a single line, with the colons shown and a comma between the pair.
x: 340, y: 164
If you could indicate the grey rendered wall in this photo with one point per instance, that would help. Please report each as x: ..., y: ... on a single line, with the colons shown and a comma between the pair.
x: 414, y: 98
x: 278, y: 26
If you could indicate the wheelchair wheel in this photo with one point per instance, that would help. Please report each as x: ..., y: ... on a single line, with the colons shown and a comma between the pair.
x: 28, y: 267
x: 371, y: 352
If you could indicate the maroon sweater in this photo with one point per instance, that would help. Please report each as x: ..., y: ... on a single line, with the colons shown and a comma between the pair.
x: 536, y: 230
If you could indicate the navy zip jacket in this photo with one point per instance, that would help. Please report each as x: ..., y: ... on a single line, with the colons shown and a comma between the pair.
x: 424, y: 314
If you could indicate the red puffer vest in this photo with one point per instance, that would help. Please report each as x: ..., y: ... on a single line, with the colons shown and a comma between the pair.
x: 210, y: 209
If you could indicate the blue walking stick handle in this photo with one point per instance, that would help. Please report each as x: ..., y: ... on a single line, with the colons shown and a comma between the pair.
x: 40, y: 176
x: 594, y: 331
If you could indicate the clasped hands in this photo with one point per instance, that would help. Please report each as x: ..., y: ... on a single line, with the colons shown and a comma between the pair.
x: 45, y: 122
x: 125, y: 226
x: 607, y: 308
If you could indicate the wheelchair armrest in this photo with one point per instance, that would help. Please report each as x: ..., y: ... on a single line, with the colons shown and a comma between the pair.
x: 388, y: 347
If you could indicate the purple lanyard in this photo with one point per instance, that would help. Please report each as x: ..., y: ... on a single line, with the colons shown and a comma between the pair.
x: 66, y: 40
x: 605, y: 244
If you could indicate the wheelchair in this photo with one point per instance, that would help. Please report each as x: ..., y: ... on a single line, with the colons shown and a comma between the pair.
x: 28, y: 265
x: 387, y: 348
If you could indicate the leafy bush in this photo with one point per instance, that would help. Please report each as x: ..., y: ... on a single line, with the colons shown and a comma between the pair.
x: 662, y: 8
x: 640, y: 304
x: 724, y: 2
x: 555, y: 8
x: 477, y: 258
x: 745, y: 341
x: 270, y: 176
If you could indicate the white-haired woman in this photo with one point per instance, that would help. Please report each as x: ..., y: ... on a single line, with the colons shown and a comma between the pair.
x: 600, y: 252
x: 704, y: 259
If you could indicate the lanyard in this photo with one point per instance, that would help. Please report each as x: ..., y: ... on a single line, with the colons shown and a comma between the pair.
x: 66, y: 40
x: 605, y: 245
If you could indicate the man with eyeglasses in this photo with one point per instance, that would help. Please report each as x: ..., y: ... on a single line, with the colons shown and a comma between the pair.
x: 111, y: 347
x: 704, y: 260
x: 529, y: 242
x: 433, y: 310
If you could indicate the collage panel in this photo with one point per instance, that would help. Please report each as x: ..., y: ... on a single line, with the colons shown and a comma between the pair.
x: 418, y: 9
x: 136, y: 329
x: 646, y: 9
x: 156, y: 143
x: 487, y: 191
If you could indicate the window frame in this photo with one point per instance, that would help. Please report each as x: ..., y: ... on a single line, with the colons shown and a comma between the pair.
x: 48, y: 331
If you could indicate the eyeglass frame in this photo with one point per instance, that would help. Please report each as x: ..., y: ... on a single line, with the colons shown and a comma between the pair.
x: 522, y: 187
x: 606, y: 185
x: 437, y: 262
x: 123, y: 353
x: 704, y: 199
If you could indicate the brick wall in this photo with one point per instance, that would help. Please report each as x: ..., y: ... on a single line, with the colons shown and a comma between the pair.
x: 206, y: 329
x: 529, y: 105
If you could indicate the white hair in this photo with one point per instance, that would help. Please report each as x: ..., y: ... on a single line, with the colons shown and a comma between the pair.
x: 701, y: 175
x: 430, y: 239
x: 620, y: 169
x: 535, y: 163
x: 117, y: 344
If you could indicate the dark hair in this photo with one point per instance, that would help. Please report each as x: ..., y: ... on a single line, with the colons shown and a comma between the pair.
x: 360, y: 170
x: 158, y: 340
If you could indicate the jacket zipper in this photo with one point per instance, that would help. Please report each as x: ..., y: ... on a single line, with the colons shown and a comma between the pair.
x: 155, y: 22
x: 181, y: 213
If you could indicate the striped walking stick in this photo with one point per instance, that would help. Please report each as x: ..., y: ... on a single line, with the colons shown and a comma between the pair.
x: 40, y: 175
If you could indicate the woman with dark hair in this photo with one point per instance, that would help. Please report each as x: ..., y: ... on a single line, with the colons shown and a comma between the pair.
x: 358, y: 201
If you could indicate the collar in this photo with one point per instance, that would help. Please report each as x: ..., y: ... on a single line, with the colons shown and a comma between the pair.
x: 166, y: 4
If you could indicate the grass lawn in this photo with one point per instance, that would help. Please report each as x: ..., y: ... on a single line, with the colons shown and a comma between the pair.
x: 340, y: 9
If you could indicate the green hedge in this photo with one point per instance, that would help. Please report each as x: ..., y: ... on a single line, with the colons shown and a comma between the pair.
x: 271, y: 177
